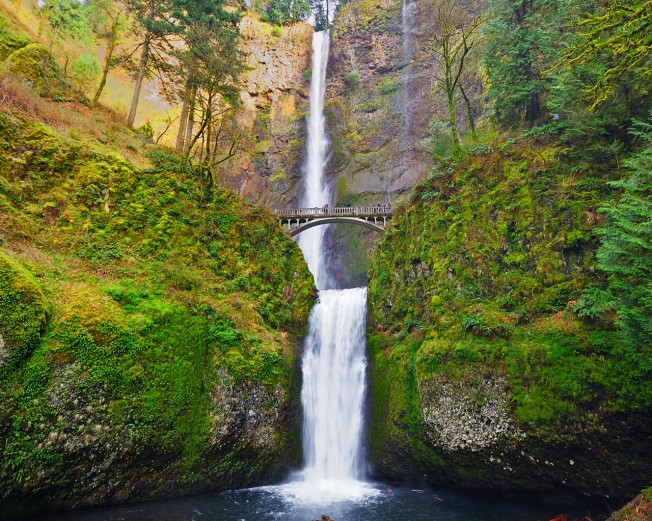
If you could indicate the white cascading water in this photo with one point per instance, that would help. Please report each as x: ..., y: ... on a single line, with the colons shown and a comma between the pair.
x: 334, y: 360
x: 316, y: 192
x: 407, y: 59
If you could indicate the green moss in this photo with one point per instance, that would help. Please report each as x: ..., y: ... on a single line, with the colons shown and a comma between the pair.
x: 162, y: 285
x: 481, y: 268
x: 36, y: 65
x: 23, y: 315
x: 12, y: 37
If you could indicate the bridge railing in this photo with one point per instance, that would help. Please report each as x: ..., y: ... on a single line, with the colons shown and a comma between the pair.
x: 341, y: 211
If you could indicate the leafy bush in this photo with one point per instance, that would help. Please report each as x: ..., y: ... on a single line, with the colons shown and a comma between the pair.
x: 352, y: 79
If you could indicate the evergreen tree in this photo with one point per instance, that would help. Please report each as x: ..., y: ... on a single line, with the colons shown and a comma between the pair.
x: 320, y: 14
x: 520, y: 44
x: 626, y: 251
x: 209, y: 67
x: 286, y: 11
x: 155, y: 25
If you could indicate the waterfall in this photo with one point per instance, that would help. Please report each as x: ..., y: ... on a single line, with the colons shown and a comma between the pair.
x: 316, y: 192
x: 334, y: 361
x: 334, y: 385
x: 407, y: 59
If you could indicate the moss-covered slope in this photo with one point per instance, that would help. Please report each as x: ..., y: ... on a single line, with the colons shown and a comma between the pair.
x: 147, y: 327
x: 483, y: 375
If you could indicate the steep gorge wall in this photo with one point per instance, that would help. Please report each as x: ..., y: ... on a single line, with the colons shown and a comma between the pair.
x: 482, y: 374
x: 267, y: 169
x: 149, y: 328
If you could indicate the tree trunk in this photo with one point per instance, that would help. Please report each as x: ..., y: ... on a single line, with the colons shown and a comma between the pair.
x: 450, y: 92
x: 533, y: 111
x: 191, y: 121
x: 139, y: 79
x: 469, y: 112
x: 181, y: 134
x: 107, y: 58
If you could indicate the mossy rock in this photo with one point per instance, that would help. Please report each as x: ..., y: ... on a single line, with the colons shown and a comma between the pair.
x: 36, y: 65
x: 23, y: 314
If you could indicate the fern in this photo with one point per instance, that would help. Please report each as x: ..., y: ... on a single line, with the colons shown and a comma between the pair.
x: 626, y: 250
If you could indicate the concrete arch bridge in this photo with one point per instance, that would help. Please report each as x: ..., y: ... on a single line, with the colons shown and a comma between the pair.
x: 297, y: 220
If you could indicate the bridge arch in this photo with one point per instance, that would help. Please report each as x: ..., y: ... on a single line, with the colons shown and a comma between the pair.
x: 296, y: 220
x: 304, y: 225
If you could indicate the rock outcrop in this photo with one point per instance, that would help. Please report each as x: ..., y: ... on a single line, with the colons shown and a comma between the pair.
x: 379, y: 99
x: 148, y: 328
x: 483, y: 375
x: 267, y: 169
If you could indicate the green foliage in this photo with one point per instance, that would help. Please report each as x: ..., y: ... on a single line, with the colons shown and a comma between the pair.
x: 439, y: 141
x: 69, y: 20
x: 619, y: 36
x: 518, y: 35
x: 35, y: 65
x: 85, y: 72
x: 481, y: 269
x: 163, y: 286
x: 487, y: 323
x: 594, y: 303
x: 352, y: 79
x: 626, y: 250
x: 287, y: 11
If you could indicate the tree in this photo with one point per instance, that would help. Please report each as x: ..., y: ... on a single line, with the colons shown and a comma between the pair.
x: 209, y: 65
x: 456, y: 35
x: 521, y: 44
x: 626, y: 250
x: 108, y: 23
x: 44, y: 8
x: 71, y: 31
x: 287, y: 11
x: 622, y: 36
x: 156, y: 25
x: 321, y: 15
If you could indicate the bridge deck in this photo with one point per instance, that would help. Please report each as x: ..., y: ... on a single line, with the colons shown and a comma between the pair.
x: 315, y: 213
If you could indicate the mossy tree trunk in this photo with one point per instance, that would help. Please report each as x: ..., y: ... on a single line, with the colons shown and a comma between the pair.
x: 181, y: 134
x: 452, y: 42
x: 115, y: 18
x: 142, y: 69
x: 44, y: 13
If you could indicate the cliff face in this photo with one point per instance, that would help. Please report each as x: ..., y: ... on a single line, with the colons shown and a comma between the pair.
x: 483, y: 375
x: 271, y: 125
x: 380, y: 97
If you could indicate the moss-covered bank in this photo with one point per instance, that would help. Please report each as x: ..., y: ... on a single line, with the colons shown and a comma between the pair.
x: 482, y: 373
x: 148, y: 326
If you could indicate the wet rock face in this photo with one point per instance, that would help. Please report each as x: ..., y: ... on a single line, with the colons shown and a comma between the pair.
x: 247, y: 414
x: 270, y: 126
x: 469, y: 416
x: 380, y: 97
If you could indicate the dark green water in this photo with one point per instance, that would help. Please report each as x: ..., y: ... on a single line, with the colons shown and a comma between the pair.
x: 373, y: 502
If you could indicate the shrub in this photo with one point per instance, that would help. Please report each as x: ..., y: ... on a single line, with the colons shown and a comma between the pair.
x: 85, y: 72
x: 352, y: 79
